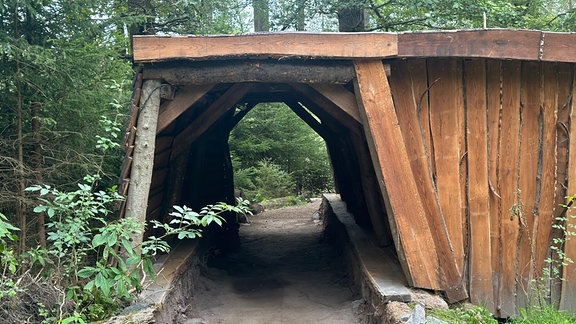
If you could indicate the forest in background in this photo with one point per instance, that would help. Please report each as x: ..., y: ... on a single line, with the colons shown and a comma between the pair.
x: 66, y: 74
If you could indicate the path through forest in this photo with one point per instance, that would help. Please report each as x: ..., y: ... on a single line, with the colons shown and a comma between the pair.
x: 284, y: 272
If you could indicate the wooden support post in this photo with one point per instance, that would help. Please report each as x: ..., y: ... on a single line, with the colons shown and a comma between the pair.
x: 141, y: 175
x: 423, y: 248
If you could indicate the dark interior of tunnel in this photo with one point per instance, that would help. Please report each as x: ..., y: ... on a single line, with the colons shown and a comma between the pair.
x: 197, y: 171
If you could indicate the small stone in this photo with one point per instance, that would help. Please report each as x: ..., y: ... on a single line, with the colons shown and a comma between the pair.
x: 428, y: 300
x: 418, y: 315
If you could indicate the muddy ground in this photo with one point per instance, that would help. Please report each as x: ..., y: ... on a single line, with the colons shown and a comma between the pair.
x: 284, y: 272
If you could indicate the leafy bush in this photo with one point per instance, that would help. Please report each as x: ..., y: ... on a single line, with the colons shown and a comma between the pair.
x: 90, y: 277
x: 265, y: 181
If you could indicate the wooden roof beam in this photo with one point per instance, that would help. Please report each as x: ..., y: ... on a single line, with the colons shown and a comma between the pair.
x: 211, y: 115
x: 278, y: 45
x: 269, y: 70
x: 186, y: 97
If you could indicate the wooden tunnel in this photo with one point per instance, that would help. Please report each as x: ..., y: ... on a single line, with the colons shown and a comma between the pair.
x: 456, y: 147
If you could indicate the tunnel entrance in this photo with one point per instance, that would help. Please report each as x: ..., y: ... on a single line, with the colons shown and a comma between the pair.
x: 193, y: 166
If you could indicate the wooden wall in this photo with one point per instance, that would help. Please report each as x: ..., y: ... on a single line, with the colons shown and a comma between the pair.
x: 493, y: 137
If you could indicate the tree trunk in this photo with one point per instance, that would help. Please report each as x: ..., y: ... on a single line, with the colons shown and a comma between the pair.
x: 143, y: 163
x: 37, y: 166
x: 352, y: 17
x: 261, y: 15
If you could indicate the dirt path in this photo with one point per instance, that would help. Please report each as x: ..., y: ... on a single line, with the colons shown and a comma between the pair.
x: 284, y: 273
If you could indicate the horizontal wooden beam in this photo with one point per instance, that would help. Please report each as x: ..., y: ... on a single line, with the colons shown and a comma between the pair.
x: 276, y: 45
x: 501, y: 44
x: 491, y: 43
x: 270, y: 70
x: 559, y: 47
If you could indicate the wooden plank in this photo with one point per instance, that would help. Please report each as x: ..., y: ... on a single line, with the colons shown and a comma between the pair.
x: 163, y: 143
x: 445, y: 129
x: 280, y: 45
x: 371, y: 192
x: 162, y: 159
x: 493, y: 87
x: 185, y: 98
x: 508, y: 174
x: 270, y: 70
x: 559, y: 47
x: 568, y: 296
x: 141, y: 174
x: 480, y: 258
x: 310, y: 120
x: 410, y: 227
x: 417, y: 256
x: 502, y: 44
x: 313, y: 97
x: 406, y: 101
x: 212, y: 114
x: 545, y: 199
x: 528, y: 172
x: 341, y: 97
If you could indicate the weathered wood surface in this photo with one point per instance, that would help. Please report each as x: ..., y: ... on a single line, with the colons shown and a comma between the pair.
x: 270, y: 70
x: 559, y: 47
x: 185, y: 98
x: 212, y: 114
x: 424, y: 249
x: 141, y: 174
x: 480, y: 258
x: 492, y: 43
x: 280, y: 45
x: 408, y: 224
x: 502, y: 44
x: 568, y: 295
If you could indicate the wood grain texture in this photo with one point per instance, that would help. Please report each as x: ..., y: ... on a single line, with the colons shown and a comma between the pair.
x: 446, y: 134
x: 502, y: 44
x: 406, y: 103
x: 212, y: 114
x: 493, y: 87
x: 341, y: 97
x: 508, y: 174
x: 528, y: 172
x: 568, y: 295
x: 141, y: 174
x: 259, y: 70
x: 184, y: 99
x: 559, y: 47
x: 280, y: 45
x: 548, y: 116
x: 480, y: 258
x: 344, y: 115
x: 393, y: 170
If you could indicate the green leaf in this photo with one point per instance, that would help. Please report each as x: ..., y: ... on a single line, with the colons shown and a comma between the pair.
x: 98, y: 240
x: 40, y: 209
x: 87, y: 272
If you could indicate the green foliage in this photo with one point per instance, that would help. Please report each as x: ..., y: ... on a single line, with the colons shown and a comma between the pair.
x: 84, y: 258
x: 544, y: 314
x: 8, y: 258
x: 276, y: 154
x: 469, y: 314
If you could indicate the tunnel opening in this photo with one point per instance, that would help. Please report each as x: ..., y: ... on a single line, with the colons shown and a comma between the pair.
x: 193, y: 164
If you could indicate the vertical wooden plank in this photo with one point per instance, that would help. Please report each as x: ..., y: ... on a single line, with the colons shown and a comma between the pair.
x: 508, y: 174
x: 547, y: 158
x: 481, y: 289
x: 529, y: 141
x: 445, y: 128
x: 141, y: 174
x: 406, y: 101
x: 413, y: 239
x: 392, y: 164
x: 493, y: 102
x: 568, y: 297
